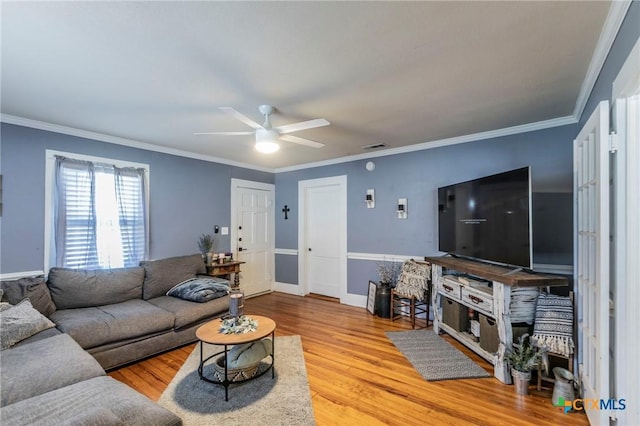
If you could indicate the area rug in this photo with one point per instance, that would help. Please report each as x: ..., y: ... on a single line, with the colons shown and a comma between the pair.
x: 285, y: 400
x: 433, y: 357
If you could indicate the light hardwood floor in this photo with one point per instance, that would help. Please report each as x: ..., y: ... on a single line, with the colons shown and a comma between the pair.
x: 358, y: 377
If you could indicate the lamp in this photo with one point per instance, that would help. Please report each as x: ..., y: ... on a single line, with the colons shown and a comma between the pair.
x: 266, y: 141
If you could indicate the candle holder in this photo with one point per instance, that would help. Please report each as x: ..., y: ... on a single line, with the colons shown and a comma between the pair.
x: 236, y: 302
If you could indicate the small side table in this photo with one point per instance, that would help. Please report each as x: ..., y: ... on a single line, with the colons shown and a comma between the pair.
x: 226, y: 269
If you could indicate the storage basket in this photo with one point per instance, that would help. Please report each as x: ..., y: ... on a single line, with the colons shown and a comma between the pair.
x: 234, y: 374
x: 455, y: 315
x: 488, y: 334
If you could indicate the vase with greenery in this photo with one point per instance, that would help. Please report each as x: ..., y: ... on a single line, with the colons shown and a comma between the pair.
x: 205, y: 245
x: 523, y: 358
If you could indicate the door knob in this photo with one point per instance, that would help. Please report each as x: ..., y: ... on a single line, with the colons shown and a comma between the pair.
x: 309, y: 248
x: 239, y: 248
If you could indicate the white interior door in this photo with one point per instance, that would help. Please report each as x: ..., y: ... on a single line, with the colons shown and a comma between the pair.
x: 323, y: 259
x: 253, y: 235
x: 626, y: 116
x: 591, y: 189
x: 323, y: 231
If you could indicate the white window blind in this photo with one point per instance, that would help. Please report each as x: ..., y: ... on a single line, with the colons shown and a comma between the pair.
x: 100, y: 215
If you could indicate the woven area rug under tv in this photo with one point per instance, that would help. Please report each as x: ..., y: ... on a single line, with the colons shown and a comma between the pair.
x: 433, y: 357
x: 285, y: 400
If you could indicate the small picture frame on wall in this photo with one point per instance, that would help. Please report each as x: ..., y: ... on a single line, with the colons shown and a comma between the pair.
x: 371, y: 297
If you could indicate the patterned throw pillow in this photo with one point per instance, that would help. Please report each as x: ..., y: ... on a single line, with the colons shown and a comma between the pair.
x: 20, y: 322
x: 414, y: 279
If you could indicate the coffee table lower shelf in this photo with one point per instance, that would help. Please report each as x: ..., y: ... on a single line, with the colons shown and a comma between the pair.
x: 209, y: 333
x: 226, y: 382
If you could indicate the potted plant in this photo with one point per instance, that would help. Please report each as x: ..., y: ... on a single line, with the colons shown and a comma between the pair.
x: 205, y: 244
x: 523, y: 358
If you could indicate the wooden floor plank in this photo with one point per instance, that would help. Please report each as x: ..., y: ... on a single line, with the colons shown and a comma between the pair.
x: 358, y: 377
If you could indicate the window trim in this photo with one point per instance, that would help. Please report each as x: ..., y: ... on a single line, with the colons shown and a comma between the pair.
x: 49, y: 188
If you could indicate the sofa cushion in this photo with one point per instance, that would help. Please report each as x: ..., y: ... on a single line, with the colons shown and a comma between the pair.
x: 21, y: 322
x: 200, y: 289
x: 49, y: 332
x: 99, y: 325
x: 33, y: 288
x: 99, y: 416
x: 161, y: 275
x: 187, y: 313
x: 81, y: 288
x: 43, y: 366
x: 67, y: 405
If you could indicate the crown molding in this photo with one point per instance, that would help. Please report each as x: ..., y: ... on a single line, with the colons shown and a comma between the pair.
x: 475, y: 137
x: 612, y: 23
x: 56, y: 128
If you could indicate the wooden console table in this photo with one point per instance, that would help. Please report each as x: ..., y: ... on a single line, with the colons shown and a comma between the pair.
x: 509, y: 301
x: 226, y: 269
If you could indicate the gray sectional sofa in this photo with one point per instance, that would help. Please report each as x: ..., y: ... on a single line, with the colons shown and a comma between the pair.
x: 103, y: 319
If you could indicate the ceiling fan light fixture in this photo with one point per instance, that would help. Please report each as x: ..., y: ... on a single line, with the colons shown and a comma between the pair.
x: 267, y: 147
x: 266, y: 141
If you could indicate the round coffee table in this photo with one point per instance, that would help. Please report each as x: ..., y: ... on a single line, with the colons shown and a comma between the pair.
x: 210, y: 333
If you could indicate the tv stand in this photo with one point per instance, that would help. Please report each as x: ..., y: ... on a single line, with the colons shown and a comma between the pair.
x: 513, y: 298
x: 513, y: 271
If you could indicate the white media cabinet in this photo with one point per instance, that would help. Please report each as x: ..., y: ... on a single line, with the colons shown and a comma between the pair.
x: 509, y: 299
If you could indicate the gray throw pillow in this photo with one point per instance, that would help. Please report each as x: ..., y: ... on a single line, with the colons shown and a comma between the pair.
x: 33, y: 288
x: 20, y: 322
x: 201, y: 289
x: 82, y: 288
x: 161, y: 275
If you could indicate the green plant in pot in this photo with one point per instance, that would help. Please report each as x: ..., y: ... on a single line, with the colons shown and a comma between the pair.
x: 523, y: 358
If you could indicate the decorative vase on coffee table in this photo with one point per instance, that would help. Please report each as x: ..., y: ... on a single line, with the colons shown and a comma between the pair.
x: 236, y: 302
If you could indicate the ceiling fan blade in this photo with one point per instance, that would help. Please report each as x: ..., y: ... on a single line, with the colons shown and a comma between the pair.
x: 301, y: 141
x: 235, y: 114
x: 303, y: 125
x: 224, y: 133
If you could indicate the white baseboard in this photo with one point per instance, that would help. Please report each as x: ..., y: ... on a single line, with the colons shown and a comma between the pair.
x: 354, y: 300
x: 286, y: 288
x: 17, y: 275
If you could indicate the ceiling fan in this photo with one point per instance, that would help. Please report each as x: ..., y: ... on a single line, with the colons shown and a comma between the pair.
x: 267, y: 136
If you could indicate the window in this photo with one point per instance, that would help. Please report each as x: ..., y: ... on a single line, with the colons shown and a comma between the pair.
x: 99, y: 213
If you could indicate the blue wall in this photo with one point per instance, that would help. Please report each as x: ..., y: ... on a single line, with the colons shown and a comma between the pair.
x: 187, y: 196
x: 417, y: 176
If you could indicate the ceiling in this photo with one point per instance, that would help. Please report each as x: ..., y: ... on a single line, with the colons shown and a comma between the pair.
x: 396, y: 73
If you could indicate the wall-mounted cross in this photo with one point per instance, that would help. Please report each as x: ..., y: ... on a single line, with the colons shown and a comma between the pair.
x: 286, y: 210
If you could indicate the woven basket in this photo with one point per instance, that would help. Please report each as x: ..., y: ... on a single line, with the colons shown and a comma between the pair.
x: 234, y: 374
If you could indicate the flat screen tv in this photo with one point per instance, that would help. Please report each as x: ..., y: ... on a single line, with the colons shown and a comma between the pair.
x: 488, y: 219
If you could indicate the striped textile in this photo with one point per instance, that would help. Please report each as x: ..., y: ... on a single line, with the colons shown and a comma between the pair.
x: 553, y: 328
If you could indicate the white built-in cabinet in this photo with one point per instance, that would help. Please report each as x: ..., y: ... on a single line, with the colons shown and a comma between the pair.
x: 509, y: 298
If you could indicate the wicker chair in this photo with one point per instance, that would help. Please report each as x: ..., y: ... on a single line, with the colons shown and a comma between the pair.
x: 412, y: 294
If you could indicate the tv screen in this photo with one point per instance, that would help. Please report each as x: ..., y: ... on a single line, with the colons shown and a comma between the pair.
x: 488, y: 218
